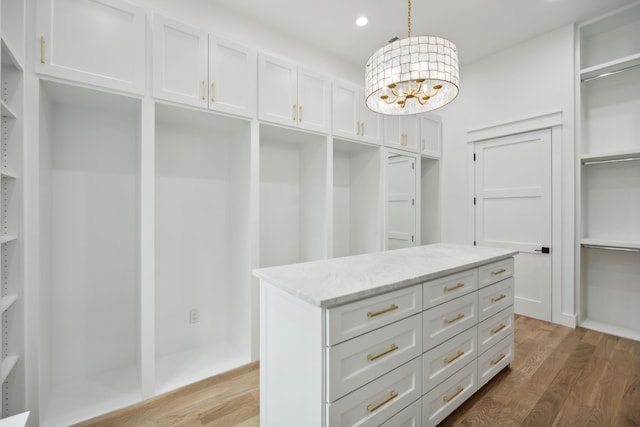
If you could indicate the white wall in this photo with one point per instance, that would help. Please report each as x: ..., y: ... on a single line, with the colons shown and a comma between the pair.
x: 524, y: 81
x: 218, y: 20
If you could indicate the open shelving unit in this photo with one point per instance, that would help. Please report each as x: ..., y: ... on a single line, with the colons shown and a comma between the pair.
x: 357, y: 183
x: 294, y: 188
x: 203, y: 265
x: 89, y: 146
x: 609, y: 173
x: 12, y: 93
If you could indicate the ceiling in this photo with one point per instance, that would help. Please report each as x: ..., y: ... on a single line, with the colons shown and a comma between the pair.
x: 477, y: 27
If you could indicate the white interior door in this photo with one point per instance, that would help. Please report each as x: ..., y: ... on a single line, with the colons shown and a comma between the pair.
x: 513, y: 210
x: 401, y: 197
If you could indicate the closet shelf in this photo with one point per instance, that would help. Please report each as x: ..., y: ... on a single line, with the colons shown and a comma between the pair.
x: 610, y: 244
x: 7, y: 174
x: 6, y: 302
x: 611, y: 329
x: 7, y: 111
x: 7, y: 366
x: 7, y: 238
x: 609, y: 68
x: 610, y: 157
x: 9, y: 58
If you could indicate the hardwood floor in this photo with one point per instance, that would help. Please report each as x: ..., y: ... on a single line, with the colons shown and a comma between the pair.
x: 559, y: 377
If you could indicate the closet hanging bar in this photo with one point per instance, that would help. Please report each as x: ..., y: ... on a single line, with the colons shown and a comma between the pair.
x: 610, y: 73
x: 623, y: 159
x: 611, y: 248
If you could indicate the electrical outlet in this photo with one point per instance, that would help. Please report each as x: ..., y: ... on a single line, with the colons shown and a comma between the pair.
x: 194, y: 316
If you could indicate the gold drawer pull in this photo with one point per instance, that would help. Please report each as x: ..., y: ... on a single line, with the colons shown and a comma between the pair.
x: 386, y: 310
x: 498, y: 329
x: 458, y: 317
x: 502, y: 296
x: 495, y: 273
x: 495, y: 362
x: 392, y: 396
x: 457, y: 356
x: 453, y: 288
x: 393, y: 347
x: 449, y: 398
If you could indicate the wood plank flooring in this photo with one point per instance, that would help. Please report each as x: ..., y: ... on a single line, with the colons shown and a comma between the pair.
x: 559, y: 377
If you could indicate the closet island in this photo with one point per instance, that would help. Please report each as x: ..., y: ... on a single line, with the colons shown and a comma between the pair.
x: 393, y: 338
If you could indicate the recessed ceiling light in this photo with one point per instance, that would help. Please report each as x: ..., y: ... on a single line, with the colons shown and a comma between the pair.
x: 362, y: 21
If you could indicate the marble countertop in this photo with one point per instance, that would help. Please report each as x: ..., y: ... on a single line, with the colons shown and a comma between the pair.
x: 336, y: 281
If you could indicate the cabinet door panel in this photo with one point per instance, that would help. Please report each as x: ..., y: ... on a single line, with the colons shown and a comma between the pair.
x: 277, y: 91
x: 99, y: 42
x: 392, y: 132
x: 232, y: 78
x: 180, y: 63
x: 346, y: 113
x: 371, y: 123
x: 411, y: 132
x: 313, y: 101
x: 430, y: 136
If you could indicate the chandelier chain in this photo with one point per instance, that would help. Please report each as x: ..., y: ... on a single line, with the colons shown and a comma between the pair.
x: 409, y: 19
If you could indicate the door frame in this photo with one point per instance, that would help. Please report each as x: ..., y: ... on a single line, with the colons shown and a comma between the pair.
x: 562, y: 203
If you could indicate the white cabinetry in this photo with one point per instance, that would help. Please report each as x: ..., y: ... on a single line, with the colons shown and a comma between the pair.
x: 609, y: 176
x: 402, y: 132
x: 293, y: 189
x: 357, y: 198
x: 12, y: 289
x: 195, y: 68
x: 427, y: 346
x: 293, y: 96
x: 98, y: 42
x: 430, y: 136
x: 89, y: 299
x: 202, y: 208
x: 351, y: 117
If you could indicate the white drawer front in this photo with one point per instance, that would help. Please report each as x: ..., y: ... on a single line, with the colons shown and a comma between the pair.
x: 447, y: 288
x: 379, y: 400
x: 495, y: 298
x: 446, y: 320
x: 494, y: 272
x: 354, y: 363
x: 446, y: 397
x: 494, y: 329
x: 408, y: 417
x: 350, y: 320
x: 442, y: 361
x: 494, y: 360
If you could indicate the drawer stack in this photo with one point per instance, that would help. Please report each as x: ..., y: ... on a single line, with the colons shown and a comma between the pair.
x: 468, y: 335
x: 410, y: 357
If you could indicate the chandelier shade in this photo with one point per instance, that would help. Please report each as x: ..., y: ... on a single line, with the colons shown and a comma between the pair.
x: 412, y: 75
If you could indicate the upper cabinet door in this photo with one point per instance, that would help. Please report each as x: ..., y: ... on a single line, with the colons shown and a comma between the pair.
x: 232, y: 77
x: 346, y: 110
x: 314, y: 106
x: 179, y: 62
x: 411, y: 132
x: 277, y: 100
x: 430, y: 136
x: 99, y: 42
x: 371, y: 123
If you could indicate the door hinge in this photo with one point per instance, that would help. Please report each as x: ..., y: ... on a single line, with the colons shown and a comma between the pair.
x: 413, y: 165
x: 474, y: 243
x: 412, y: 238
x: 544, y: 250
x: 413, y: 202
x: 474, y: 201
x: 474, y: 157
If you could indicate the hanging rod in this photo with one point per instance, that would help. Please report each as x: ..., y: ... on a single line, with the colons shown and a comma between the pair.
x: 610, y: 73
x: 624, y: 159
x: 610, y: 248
